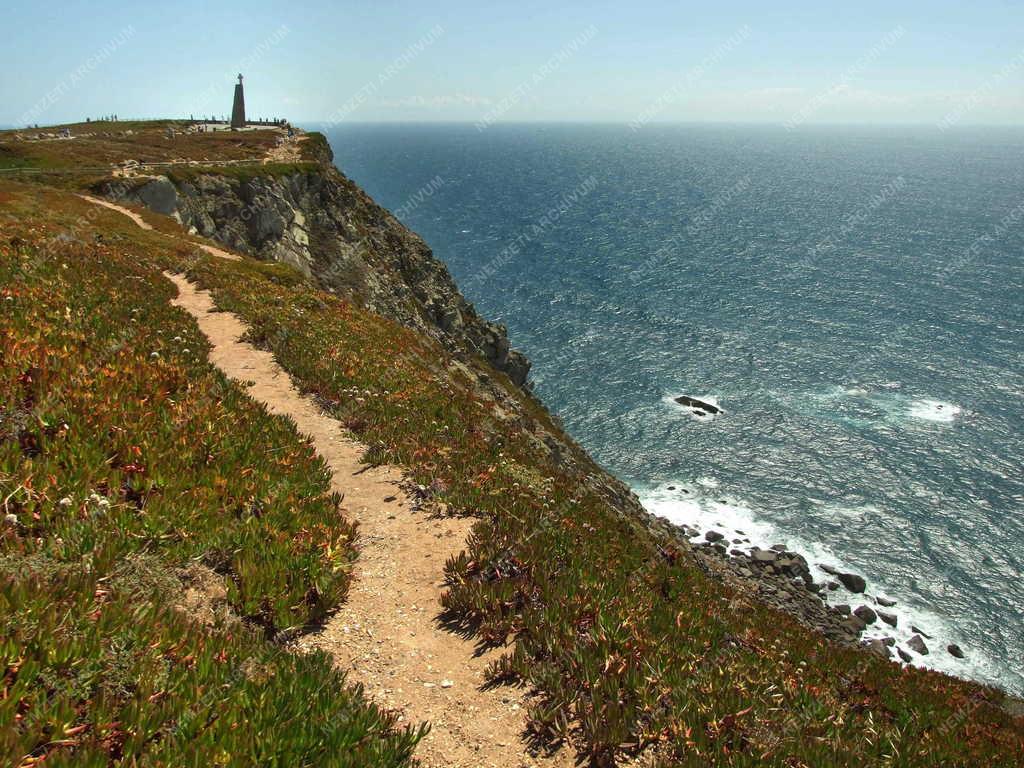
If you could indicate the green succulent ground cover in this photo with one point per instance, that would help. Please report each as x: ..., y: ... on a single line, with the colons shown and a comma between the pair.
x: 124, y: 457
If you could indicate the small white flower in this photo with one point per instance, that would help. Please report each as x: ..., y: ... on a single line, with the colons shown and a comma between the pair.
x: 177, y: 338
x: 154, y: 354
x: 186, y: 350
x: 11, y: 518
x: 65, y: 502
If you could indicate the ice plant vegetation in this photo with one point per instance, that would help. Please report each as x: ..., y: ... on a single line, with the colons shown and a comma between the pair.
x: 126, y: 460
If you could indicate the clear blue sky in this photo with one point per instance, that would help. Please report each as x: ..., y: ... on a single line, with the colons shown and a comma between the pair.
x: 410, y: 60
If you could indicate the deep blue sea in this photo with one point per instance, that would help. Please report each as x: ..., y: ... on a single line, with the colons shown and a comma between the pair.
x: 853, y: 298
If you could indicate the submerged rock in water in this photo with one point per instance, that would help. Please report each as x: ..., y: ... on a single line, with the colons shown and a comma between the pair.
x: 693, y: 402
x: 955, y: 651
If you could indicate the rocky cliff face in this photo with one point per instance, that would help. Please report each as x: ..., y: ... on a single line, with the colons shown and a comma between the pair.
x: 319, y: 221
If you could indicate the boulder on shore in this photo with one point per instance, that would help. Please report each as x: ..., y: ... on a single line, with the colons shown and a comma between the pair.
x: 889, y: 618
x: 865, y: 614
x: 955, y: 651
x: 916, y: 644
x: 852, y: 582
x: 764, y: 556
x: 878, y: 648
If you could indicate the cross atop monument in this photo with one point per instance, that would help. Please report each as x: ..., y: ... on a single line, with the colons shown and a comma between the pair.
x: 239, y: 78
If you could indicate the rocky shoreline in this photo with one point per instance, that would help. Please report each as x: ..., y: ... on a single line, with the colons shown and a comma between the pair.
x: 839, y: 607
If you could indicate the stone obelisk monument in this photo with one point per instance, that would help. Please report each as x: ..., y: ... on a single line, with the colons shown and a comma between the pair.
x: 238, y: 110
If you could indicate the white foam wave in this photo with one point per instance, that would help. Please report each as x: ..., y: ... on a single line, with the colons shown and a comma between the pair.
x: 884, y: 405
x: 934, y: 410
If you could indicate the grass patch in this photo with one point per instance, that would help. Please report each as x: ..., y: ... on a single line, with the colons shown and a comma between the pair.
x: 248, y: 172
x: 99, y: 145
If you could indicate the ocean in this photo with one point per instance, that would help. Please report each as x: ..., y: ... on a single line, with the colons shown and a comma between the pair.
x: 852, y: 298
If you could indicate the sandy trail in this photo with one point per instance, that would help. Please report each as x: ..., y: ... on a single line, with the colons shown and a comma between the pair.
x: 210, y: 249
x: 386, y: 635
x: 120, y: 209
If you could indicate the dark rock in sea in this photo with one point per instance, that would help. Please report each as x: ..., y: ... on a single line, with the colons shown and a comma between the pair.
x: 889, y: 618
x: 671, y: 488
x: 865, y: 614
x: 885, y: 601
x: 737, y: 553
x: 829, y: 570
x: 843, y: 608
x: 778, y: 547
x: 713, y: 536
x: 852, y: 582
x: 832, y: 586
x: 904, y: 655
x: 920, y: 631
x: 878, y: 648
x: 955, y: 651
x: 916, y: 644
x: 693, y: 402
